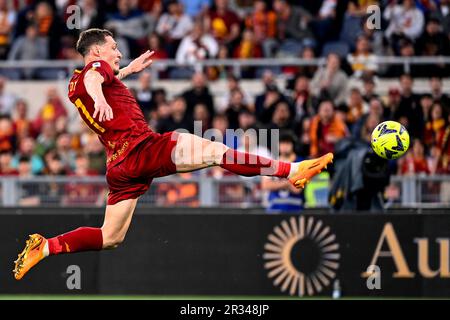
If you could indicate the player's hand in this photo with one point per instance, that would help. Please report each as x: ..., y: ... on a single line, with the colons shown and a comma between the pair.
x: 103, y: 110
x: 141, y: 62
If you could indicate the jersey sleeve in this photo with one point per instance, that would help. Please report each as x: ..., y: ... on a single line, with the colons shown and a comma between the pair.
x: 104, y: 69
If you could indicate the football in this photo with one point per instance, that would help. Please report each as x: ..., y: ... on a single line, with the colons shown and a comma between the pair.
x: 390, y: 140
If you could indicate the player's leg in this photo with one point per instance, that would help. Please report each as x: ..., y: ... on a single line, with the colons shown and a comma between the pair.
x: 117, y: 221
x: 194, y: 153
x: 110, y: 235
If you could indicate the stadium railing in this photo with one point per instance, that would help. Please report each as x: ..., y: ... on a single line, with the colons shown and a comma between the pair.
x: 67, y: 66
x: 203, y: 190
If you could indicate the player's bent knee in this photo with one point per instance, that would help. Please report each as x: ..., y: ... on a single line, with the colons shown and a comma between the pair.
x: 112, y: 240
x: 214, y: 152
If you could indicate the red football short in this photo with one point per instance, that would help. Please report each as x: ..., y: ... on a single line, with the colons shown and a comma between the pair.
x: 151, y: 158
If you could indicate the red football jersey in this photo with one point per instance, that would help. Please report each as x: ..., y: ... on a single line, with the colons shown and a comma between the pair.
x: 128, y: 126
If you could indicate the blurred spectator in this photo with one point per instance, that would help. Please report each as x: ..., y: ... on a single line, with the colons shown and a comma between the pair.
x: 363, y: 127
x: 293, y: 32
x: 7, y: 22
x: 93, y: 16
x: 201, y: 114
x: 195, y: 47
x: 392, y: 103
x: 272, y: 97
x: 144, y: 94
x: 173, y: 26
x: 303, y: 101
x: 407, y: 50
x: 49, y: 26
x: 307, y: 70
x: 268, y: 81
x: 155, y: 45
x: 221, y: 71
x: 426, y: 102
x: 6, y: 168
x: 330, y: 82
x: 27, y: 192
x: 362, y: 60
x: 232, y: 83
x: 435, y: 126
x: 263, y: 22
x: 248, y: 48
x: 324, y: 21
x: 305, y: 137
x: 246, y: 119
x: 29, y: 47
x: 21, y: 122
x: 433, y: 42
x: 7, y: 100
x: 414, y: 162
x: 46, y: 140
x: 224, y: 24
x: 442, y: 13
x: 199, y: 93
x: 369, y: 87
x: 7, y: 134
x: 326, y: 129
x: 179, y: 117
x: 235, y: 107
x: 52, y: 110
x: 27, y: 147
x: 130, y: 23
x: 437, y: 92
x: 405, y: 20
x: 282, y: 118
x: 220, y: 125
x: 355, y: 107
x: 65, y: 150
x: 96, y: 153
x: 24, y: 167
x: 196, y: 8
x: 161, y: 115
x: 52, y: 192
x: 282, y: 195
x: 409, y: 107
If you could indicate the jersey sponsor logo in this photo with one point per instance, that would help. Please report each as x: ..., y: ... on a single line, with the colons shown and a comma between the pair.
x: 118, y: 153
x: 91, y: 120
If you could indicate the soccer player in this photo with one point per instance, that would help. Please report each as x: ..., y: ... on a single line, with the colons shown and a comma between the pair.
x: 135, y: 154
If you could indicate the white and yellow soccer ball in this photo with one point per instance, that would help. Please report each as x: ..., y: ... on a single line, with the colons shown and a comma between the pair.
x: 390, y: 140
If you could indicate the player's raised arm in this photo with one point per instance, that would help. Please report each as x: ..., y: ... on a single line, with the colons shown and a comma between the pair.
x: 137, y: 65
x: 93, y: 82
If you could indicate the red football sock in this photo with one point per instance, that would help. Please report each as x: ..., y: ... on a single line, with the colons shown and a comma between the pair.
x: 246, y: 164
x: 81, y: 239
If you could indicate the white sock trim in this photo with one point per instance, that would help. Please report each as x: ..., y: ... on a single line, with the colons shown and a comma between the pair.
x: 294, y: 169
x: 46, y: 251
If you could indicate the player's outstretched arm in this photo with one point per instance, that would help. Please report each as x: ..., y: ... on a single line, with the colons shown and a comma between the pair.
x: 93, y: 83
x: 137, y: 65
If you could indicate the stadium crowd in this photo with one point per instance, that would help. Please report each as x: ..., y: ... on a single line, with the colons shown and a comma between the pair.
x: 317, y: 107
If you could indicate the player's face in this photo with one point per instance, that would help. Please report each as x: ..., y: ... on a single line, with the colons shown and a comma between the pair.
x: 111, y: 54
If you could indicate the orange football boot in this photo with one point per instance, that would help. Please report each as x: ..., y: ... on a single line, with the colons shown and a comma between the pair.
x: 30, y: 256
x: 309, y: 168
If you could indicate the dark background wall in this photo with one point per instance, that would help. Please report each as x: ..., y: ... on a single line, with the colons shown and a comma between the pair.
x: 219, y: 252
